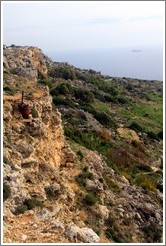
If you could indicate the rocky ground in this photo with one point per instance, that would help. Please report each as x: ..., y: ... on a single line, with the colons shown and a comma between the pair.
x: 55, y: 189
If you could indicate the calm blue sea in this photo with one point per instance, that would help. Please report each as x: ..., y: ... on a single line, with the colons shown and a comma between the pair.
x: 142, y: 63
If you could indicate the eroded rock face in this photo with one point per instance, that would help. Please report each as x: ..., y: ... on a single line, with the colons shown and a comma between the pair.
x: 25, y: 61
x: 33, y: 155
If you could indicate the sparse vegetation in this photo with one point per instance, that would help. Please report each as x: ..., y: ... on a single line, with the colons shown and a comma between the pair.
x: 34, y: 113
x: 33, y: 202
x: 90, y: 199
x: 153, y: 233
x: 52, y: 192
x: 80, y: 154
x: 21, y: 209
x: 45, y: 82
x: 83, y: 176
x: 6, y: 191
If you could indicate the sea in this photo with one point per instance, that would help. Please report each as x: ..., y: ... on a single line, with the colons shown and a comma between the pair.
x: 139, y: 62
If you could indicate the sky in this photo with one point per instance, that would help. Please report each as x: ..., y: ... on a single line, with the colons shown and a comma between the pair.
x: 71, y: 25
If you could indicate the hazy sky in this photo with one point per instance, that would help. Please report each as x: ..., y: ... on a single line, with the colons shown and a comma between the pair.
x: 70, y: 25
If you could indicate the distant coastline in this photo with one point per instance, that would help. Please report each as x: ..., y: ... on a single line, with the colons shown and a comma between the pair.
x: 147, y: 65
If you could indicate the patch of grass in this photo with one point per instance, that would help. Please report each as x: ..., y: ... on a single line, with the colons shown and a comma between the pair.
x: 101, y: 106
x: 149, y: 117
x: 154, y: 97
x: 154, y: 112
x: 87, y: 138
x: 148, y: 182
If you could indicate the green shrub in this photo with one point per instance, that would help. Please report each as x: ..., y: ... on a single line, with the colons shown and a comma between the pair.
x: 63, y: 89
x: 81, y: 155
x: 113, y: 90
x: 45, y: 82
x: 51, y: 192
x: 113, y: 236
x: 32, y: 202
x: 104, y: 119
x: 41, y: 75
x: 34, y: 113
x: 110, y: 98
x: 21, y: 209
x: 160, y: 134
x: 152, y: 135
x: 91, y: 199
x: 88, y: 108
x: 83, y: 176
x: 8, y: 90
x: 122, y: 99
x: 99, y: 96
x: 146, y: 182
x: 6, y: 191
x: 64, y: 72
x: 84, y: 95
x: 58, y: 100
x: 136, y: 127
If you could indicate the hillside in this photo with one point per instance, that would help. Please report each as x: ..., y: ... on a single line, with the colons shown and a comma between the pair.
x: 82, y: 154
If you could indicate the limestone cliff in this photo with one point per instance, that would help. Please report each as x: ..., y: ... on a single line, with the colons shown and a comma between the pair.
x: 25, y: 61
x: 50, y: 185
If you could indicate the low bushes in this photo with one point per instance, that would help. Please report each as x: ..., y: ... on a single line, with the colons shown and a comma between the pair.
x: 52, y: 192
x: 152, y: 135
x: 28, y: 204
x: 59, y: 100
x: 90, y: 199
x: 6, y: 191
x: 153, y: 233
x: 84, y: 95
x: 136, y: 127
x: 9, y: 90
x: 45, y: 82
x: 83, y: 176
x: 63, y: 71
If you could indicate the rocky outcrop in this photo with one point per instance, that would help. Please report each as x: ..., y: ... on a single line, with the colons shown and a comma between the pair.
x: 86, y: 234
x: 25, y: 61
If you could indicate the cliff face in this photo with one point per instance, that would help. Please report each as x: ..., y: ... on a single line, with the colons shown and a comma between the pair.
x: 27, y: 61
x: 38, y: 162
x: 56, y: 192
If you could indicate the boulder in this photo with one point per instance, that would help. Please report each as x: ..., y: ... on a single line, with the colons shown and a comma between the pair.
x: 104, y: 212
x: 88, y: 235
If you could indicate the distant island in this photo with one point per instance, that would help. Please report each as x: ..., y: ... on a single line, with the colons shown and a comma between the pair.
x: 136, y: 50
